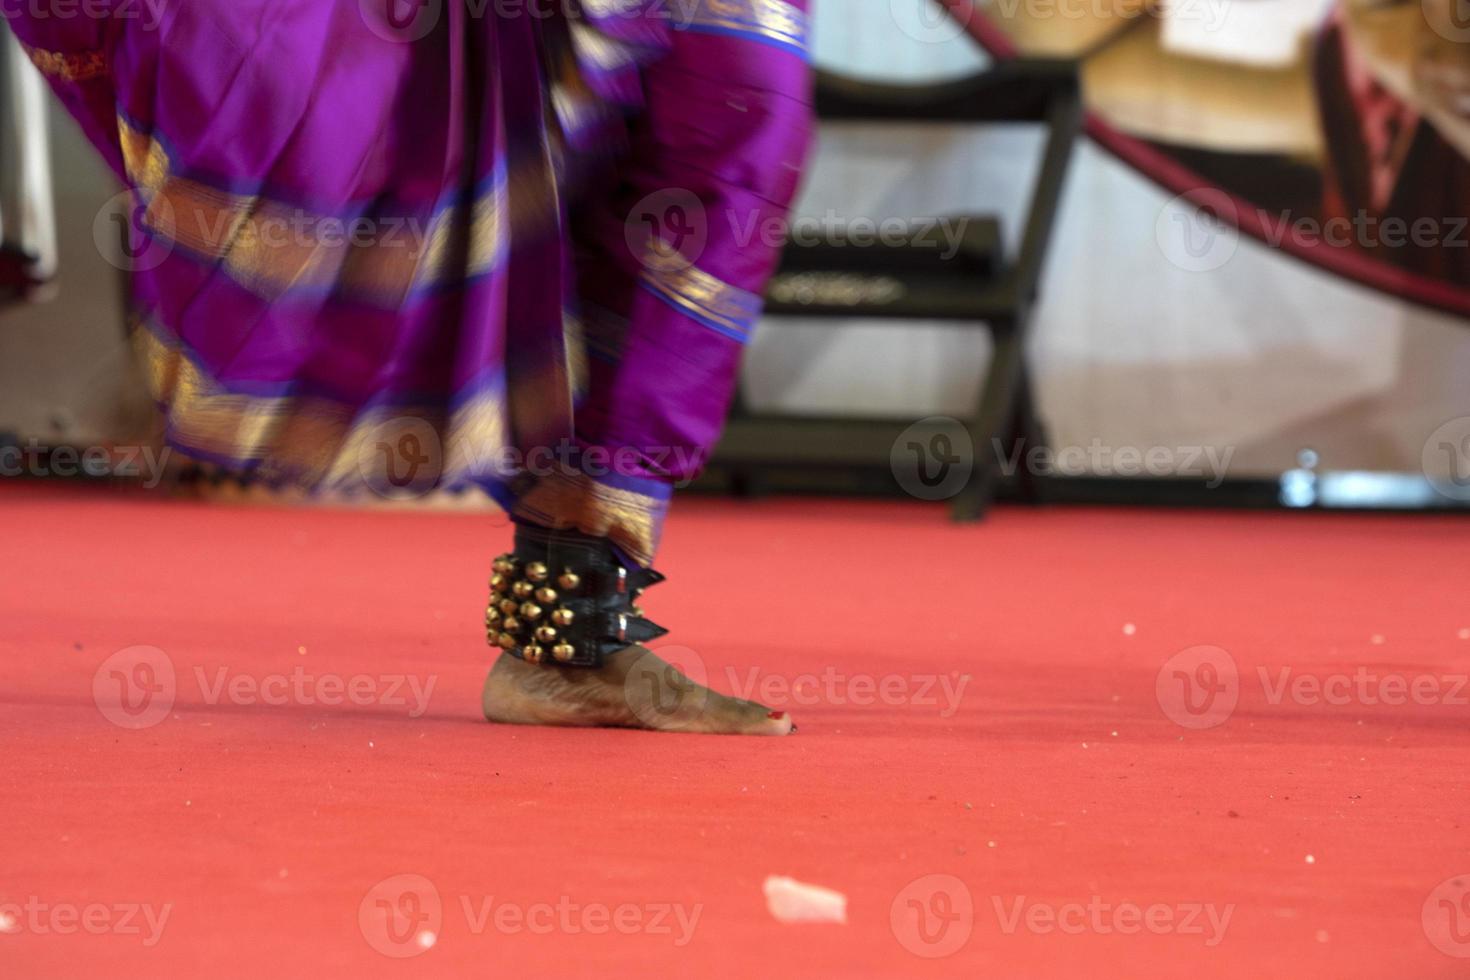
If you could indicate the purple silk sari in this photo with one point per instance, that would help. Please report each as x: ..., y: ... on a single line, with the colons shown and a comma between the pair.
x: 412, y: 243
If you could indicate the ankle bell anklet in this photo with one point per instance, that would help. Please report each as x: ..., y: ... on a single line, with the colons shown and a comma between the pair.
x: 566, y: 598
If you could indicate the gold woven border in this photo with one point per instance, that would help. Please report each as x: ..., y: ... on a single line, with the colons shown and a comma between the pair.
x: 68, y: 66
x: 700, y: 294
x: 598, y: 50
x: 773, y: 20
x: 572, y: 500
x: 315, y: 442
x: 572, y: 99
x: 272, y: 248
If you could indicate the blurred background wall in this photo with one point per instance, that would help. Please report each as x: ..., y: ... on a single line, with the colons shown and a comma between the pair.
x: 1262, y: 354
x: 66, y: 374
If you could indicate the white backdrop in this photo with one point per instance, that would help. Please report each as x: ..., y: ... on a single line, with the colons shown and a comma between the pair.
x: 1262, y: 355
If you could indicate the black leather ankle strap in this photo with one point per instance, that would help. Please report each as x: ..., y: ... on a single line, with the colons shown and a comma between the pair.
x: 567, y: 598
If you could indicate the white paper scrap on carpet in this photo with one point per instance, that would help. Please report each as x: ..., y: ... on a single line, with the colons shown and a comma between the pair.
x: 796, y: 901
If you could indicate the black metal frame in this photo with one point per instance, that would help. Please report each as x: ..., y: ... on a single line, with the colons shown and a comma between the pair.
x: 981, y: 289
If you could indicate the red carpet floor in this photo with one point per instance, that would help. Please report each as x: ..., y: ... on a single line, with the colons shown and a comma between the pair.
x: 1047, y: 817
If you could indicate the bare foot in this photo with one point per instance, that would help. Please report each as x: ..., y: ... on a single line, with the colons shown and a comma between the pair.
x: 635, y: 688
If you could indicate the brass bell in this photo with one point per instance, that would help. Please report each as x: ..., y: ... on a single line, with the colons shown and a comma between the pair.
x: 506, y: 641
x: 497, y: 582
x: 537, y: 571
x: 531, y: 611
x: 569, y: 580
x: 522, y: 589
x: 533, y: 654
x: 636, y: 610
x: 545, y: 634
x: 503, y: 565
x: 563, y: 616
x: 492, y: 615
x: 509, y: 606
x: 511, y: 625
x: 564, y: 651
